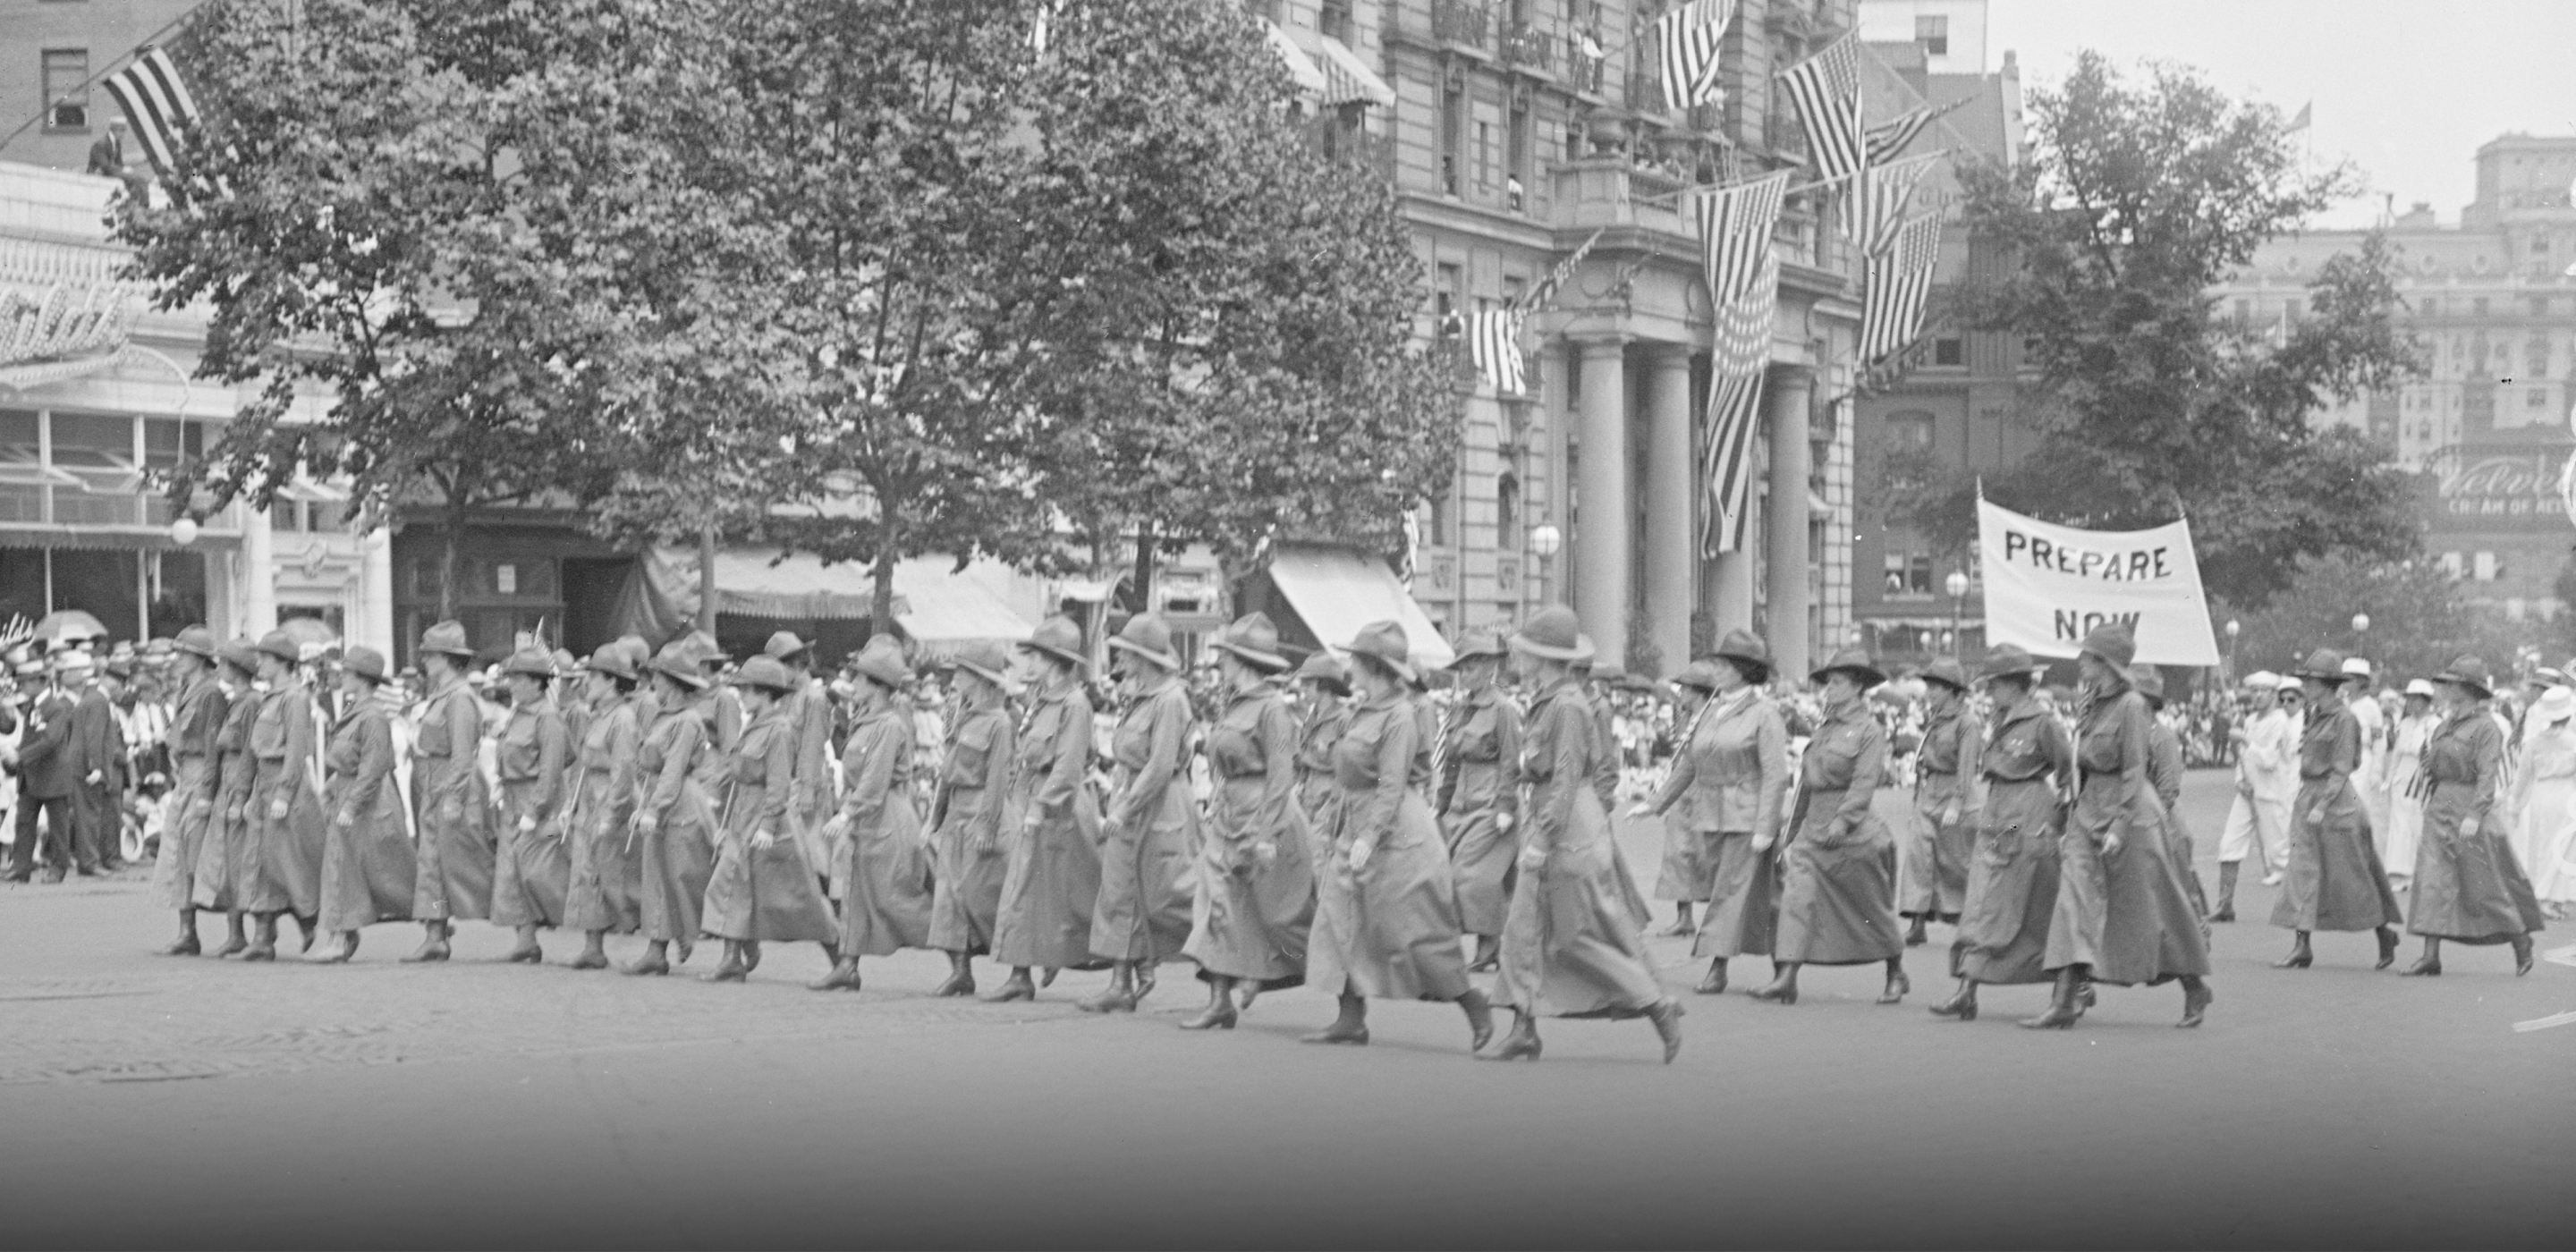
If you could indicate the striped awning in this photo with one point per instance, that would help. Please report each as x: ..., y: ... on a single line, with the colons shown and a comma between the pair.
x: 1310, y: 80
x: 1347, y: 78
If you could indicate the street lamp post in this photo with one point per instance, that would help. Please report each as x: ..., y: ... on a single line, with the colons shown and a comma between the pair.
x: 1545, y: 540
x: 1957, y: 585
x: 2234, y: 628
x: 2360, y: 632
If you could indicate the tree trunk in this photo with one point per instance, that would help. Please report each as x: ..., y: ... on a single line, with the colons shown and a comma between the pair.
x: 707, y: 579
x: 881, y: 601
x: 451, y: 557
x: 1145, y: 566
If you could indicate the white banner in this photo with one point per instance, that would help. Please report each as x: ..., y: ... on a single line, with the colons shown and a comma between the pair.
x: 2048, y: 586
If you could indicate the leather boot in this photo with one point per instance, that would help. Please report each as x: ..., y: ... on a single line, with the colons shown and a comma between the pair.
x: 1016, y: 987
x: 1667, y: 1018
x: 1144, y: 973
x: 526, y: 952
x: 961, y: 977
x: 1783, y: 988
x: 1480, y: 1019
x: 263, y: 944
x: 1489, y: 955
x: 2429, y: 965
x: 1522, y: 1043
x: 2387, y: 947
x: 187, y: 944
x: 656, y: 961
x: 2226, y: 911
x: 1118, y: 997
x: 1682, y: 926
x: 234, y: 943
x: 310, y: 926
x: 1219, y: 1013
x: 732, y: 968
x: 2521, y: 955
x: 1350, y: 1028
x: 2195, y: 1002
x: 1713, y: 983
x: 1897, y: 985
x: 750, y: 955
x: 1914, y: 936
x: 344, y: 945
x: 2299, y: 957
x: 433, y: 944
x: 594, y: 952
x: 1962, y: 1003
x: 844, y: 977
x: 2062, y: 1010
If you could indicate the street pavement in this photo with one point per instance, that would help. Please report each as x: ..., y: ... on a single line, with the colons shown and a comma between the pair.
x: 170, y: 1102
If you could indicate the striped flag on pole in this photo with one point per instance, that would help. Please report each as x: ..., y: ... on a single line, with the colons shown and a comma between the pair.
x: 1494, y: 341
x: 1537, y: 297
x: 1886, y: 190
x: 1888, y: 139
x: 1743, y: 273
x: 156, y: 105
x: 1826, y: 90
x: 1735, y: 225
x: 1895, y: 288
x: 1686, y: 42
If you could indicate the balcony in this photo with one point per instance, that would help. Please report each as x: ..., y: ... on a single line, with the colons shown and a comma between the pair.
x: 1463, y: 24
x: 1584, y: 66
x: 1526, y: 47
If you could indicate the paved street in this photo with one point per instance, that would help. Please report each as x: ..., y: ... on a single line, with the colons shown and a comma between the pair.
x: 161, y: 1102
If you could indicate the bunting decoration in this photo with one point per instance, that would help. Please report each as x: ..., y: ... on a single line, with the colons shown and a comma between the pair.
x: 1539, y: 296
x: 1686, y: 42
x: 1825, y: 88
x: 1743, y: 272
x: 156, y: 104
x: 1888, y: 140
x: 1895, y: 288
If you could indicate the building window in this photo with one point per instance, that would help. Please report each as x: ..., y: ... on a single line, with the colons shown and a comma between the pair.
x: 1909, y: 432
x: 1485, y: 158
x: 1507, y: 512
x: 2488, y: 568
x: 1909, y: 572
x: 1949, y: 350
x: 1933, y: 32
x: 2540, y: 306
x: 2535, y: 357
x: 66, y: 75
x: 1452, y: 293
x: 1453, y: 106
x: 2540, y: 246
x: 1519, y: 157
x: 1335, y: 19
x: 2537, y: 399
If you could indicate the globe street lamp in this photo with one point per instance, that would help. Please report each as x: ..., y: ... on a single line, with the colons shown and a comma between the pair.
x: 2234, y: 628
x: 1544, y: 540
x: 1957, y: 585
x: 2360, y: 630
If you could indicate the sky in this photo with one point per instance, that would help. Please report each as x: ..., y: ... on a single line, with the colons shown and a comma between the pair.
x: 2405, y: 89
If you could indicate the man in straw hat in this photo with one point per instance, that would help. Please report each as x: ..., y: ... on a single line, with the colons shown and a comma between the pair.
x: 2266, y: 781
x: 1478, y: 793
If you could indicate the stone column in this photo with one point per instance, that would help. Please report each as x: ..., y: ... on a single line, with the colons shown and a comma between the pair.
x: 259, y: 573
x: 376, y: 592
x: 1790, y: 387
x: 1672, y: 479
x: 1600, y: 541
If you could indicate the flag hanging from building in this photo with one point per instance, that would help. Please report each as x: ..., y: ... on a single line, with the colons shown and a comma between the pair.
x: 1889, y: 139
x: 1686, y: 42
x: 1494, y: 341
x: 1737, y: 367
x: 1826, y: 90
x: 1538, y: 297
x: 1896, y: 286
x: 1886, y: 190
x: 1735, y: 225
x: 156, y: 104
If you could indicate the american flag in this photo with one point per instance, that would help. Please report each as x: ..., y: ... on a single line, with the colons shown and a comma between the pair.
x: 156, y: 104
x: 1885, y: 192
x: 1735, y: 226
x: 1896, y: 286
x: 1889, y: 138
x: 1743, y: 272
x: 1686, y: 41
x: 1537, y: 297
x: 1826, y: 90
x: 1494, y: 340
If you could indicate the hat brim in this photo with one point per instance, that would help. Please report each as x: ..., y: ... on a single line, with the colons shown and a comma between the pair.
x: 1548, y: 652
x: 1338, y: 686
x: 291, y: 658
x: 1168, y: 660
x: 1070, y: 658
x: 1869, y: 677
x: 891, y: 680
x: 1938, y: 680
x: 763, y: 684
x: 2458, y: 680
x: 685, y: 673
x: 995, y: 677
x: 1401, y: 669
x: 1251, y: 656
x: 1745, y: 664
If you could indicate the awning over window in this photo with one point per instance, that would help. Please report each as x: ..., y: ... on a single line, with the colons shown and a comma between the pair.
x: 1337, y: 591
x: 931, y: 603
x: 1347, y: 77
x: 1300, y: 66
x: 937, y: 606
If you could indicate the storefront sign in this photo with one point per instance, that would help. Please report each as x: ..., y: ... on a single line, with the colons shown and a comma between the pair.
x: 2498, y: 491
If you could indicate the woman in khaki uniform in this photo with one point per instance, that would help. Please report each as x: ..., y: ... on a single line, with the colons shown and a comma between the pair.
x: 887, y: 904
x: 1837, y: 906
x: 969, y: 815
x: 607, y: 885
x: 194, y: 765
x: 1256, y: 891
x: 674, y: 833
x: 454, y: 858
x: 1932, y: 883
x: 1143, y: 914
x: 761, y: 889
x: 2469, y: 888
x: 2335, y: 880
x: 1322, y: 688
x: 228, y: 865
x: 1053, y: 880
x: 1733, y: 773
x: 367, y: 868
x: 285, y: 800
x: 1687, y: 876
x: 534, y: 751
x: 1479, y: 793
x: 2028, y: 764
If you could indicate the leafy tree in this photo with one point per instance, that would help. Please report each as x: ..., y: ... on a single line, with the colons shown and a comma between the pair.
x: 373, y: 213
x: 2135, y: 201
x: 2419, y: 620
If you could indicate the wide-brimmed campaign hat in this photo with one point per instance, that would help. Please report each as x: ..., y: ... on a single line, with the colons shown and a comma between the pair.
x: 1384, y: 643
x: 365, y: 662
x: 1059, y: 637
x: 2113, y: 642
x: 1148, y: 636
x: 1948, y: 672
x: 767, y: 673
x: 534, y: 662
x: 986, y: 661
x: 1326, y: 672
x: 882, y: 662
x: 678, y: 662
x: 279, y: 644
x: 241, y: 652
x: 1479, y: 645
x: 447, y: 639
x: 2468, y: 672
x: 612, y: 659
x: 1746, y: 651
x: 2325, y: 665
x: 1254, y: 640
x: 1852, y: 661
x: 2008, y: 660
x: 785, y: 646
x: 2149, y: 682
x: 199, y: 640
x: 1553, y: 633
x: 1698, y: 676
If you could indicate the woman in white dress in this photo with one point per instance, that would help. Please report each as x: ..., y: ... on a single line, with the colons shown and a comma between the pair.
x: 2543, y: 787
x: 2405, y: 826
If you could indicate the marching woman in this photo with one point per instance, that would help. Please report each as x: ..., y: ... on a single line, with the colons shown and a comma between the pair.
x: 1386, y: 913
x: 2543, y: 813
x: 195, y: 783
x: 1052, y: 883
x: 1143, y: 914
x: 607, y: 885
x: 2335, y: 879
x: 1738, y: 760
x: 453, y: 878
x: 1837, y: 900
x: 2406, y: 780
x: 2122, y: 915
x: 675, y: 823
x: 1934, y: 878
x: 1479, y: 794
x: 1572, y: 947
x: 533, y: 750
x: 886, y: 906
x: 761, y: 888
x: 228, y: 867
x: 2468, y: 886
x: 1255, y: 901
x: 1322, y: 687
x: 967, y: 816
x: 1690, y: 838
x: 367, y: 867
x: 2028, y: 766
x: 285, y: 800
x: 2164, y: 777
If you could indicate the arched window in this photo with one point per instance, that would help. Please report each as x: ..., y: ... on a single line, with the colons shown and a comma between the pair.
x: 1507, y: 511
